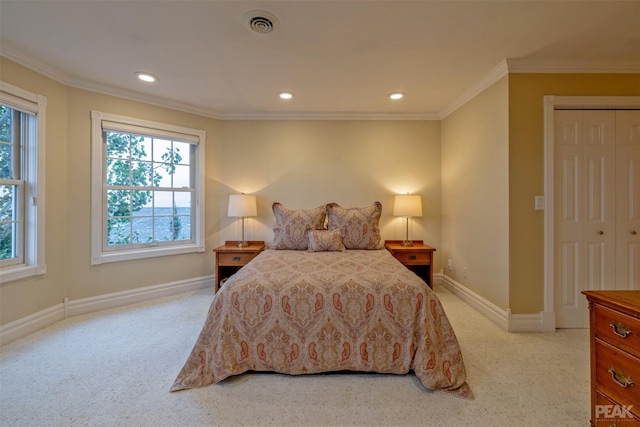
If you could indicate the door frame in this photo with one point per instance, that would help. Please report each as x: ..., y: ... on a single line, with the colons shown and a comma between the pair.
x: 551, y: 103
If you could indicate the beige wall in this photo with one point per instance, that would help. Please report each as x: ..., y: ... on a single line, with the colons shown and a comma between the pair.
x: 23, y: 297
x: 86, y: 280
x: 526, y: 170
x: 475, y: 194
x: 473, y: 184
x: 299, y: 163
x: 478, y: 171
x: 304, y: 164
x: 68, y: 150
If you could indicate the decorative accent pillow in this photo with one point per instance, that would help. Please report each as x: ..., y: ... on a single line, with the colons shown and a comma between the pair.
x: 325, y: 241
x: 358, y: 226
x: 292, y: 226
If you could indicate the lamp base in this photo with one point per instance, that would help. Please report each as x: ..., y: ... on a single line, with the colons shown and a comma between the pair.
x: 407, y: 243
x: 243, y: 244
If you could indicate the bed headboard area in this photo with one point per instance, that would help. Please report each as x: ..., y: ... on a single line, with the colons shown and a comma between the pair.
x: 327, y: 227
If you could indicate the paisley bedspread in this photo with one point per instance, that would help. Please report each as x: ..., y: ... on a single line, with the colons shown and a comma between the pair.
x: 299, y: 312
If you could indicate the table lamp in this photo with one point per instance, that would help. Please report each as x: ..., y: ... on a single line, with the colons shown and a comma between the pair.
x: 242, y: 206
x: 407, y: 206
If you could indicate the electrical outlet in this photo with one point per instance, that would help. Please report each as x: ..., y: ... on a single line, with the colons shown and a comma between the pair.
x: 449, y: 265
x: 465, y: 271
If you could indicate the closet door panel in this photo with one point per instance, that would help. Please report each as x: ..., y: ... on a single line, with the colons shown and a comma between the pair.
x: 585, y: 219
x: 599, y: 198
x: 568, y: 274
x: 628, y: 200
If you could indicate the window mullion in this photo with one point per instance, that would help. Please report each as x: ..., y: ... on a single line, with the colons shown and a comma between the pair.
x: 17, y: 143
x: 21, y: 207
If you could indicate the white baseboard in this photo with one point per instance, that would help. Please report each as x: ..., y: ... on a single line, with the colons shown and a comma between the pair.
x: 540, y: 322
x: 118, y: 299
x: 29, y: 324
x: 491, y: 311
x: 524, y: 322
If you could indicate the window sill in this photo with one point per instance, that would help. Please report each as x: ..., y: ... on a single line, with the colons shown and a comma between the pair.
x: 107, y: 257
x: 10, y: 274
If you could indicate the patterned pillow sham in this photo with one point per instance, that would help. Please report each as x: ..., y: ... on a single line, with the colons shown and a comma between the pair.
x: 292, y: 226
x: 325, y: 241
x: 358, y: 226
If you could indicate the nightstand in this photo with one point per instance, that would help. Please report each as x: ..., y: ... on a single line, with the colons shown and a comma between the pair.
x: 231, y: 258
x: 417, y: 258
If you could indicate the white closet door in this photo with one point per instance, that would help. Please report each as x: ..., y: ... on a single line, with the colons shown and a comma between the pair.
x: 628, y: 200
x: 584, y: 200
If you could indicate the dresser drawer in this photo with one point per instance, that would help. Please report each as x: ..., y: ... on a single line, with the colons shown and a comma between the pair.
x: 235, y: 259
x: 609, y: 413
x: 626, y: 366
x: 618, y: 329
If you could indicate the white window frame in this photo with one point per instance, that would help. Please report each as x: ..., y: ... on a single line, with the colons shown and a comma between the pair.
x: 32, y: 198
x: 99, y: 255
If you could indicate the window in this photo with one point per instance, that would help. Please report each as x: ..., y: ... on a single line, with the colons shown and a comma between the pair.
x: 22, y: 136
x: 147, y: 189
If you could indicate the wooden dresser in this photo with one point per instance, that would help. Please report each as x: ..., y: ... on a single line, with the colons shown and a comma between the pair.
x: 615, y: 357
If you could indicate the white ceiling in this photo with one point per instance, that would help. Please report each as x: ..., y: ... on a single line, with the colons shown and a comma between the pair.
x: 340, y: 58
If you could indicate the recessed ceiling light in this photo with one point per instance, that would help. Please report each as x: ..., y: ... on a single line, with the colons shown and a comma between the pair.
x: 285, y: 95
x: 396, y: 95
x: 146, y: 77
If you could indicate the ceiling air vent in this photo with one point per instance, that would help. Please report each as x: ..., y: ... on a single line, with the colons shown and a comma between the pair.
x: 260, y: 21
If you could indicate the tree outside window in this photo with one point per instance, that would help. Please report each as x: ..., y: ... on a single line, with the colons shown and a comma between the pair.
x: 146, y: 201
x: 9, y: 183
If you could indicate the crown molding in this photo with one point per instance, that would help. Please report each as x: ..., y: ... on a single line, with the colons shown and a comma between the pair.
x: 523, y: 65
x: 103, y: 89
x: 495, y: 74
x: 502, y: 69
x: 14, y: 54
x: 509, y: 66
x: 78, y: 83
x: 9, y: 51
x: 330, y: 116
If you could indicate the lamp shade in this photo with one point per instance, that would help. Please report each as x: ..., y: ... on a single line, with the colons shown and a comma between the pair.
x: 407, y: 205
x: 242, y: 205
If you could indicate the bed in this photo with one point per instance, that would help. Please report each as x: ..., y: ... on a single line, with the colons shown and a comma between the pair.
x: 303, y: 311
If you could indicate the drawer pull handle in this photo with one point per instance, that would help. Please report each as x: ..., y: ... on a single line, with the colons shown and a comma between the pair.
x: 620, y: 330
x: 619, y: 378
x: 236, y: 258
x: 412, y: 257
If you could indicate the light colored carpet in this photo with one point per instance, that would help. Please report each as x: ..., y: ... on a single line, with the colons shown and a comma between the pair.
x: 115, y: 368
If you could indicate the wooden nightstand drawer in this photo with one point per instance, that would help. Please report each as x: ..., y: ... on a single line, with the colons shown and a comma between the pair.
x: 235, y: 259
x: 624, y: 333
x: 409, y: 257
x: 618, y: 375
